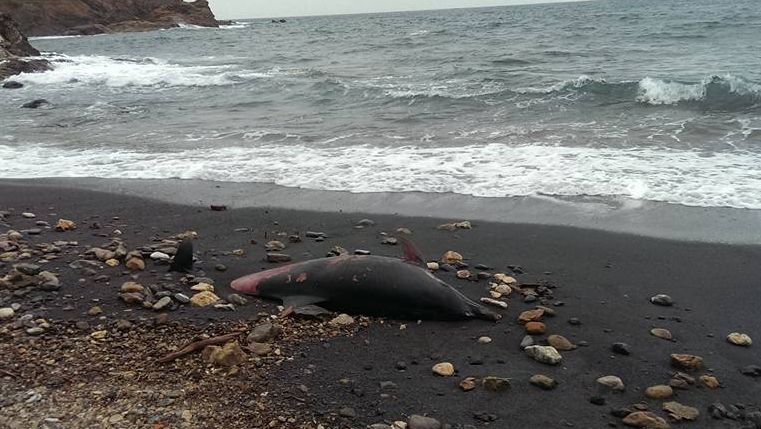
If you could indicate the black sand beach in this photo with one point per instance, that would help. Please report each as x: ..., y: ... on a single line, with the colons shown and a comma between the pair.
x: 339, y: 377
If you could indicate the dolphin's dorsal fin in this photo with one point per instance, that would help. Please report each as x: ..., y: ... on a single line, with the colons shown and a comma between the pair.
x: 411, y: 253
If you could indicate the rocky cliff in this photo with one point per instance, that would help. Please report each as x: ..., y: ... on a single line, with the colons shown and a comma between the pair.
x: 66, y: 17
x: 13, y: 46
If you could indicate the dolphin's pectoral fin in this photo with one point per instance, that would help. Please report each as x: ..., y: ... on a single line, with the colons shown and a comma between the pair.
x: 411, y: 253
x: 297, y: 301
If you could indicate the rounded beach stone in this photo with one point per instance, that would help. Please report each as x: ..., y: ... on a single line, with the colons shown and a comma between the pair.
x: 444, y: 369
x: 612, y: 381
x: 543, y: 382
x: 662, y: 299
x: 660, y: 391
x: 739, y: 339
x: 535, y: 328
x: 661, y: 333
x: 544, y: 354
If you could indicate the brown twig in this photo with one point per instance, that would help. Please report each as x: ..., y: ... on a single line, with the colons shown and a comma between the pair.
x: 197, y: 345
x: 9, y: 374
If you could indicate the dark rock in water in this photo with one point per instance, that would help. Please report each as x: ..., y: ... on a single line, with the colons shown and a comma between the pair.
x: 12, y: 84
x: 14, y: 66
x: 36, y: 104
x: 183, y: 259
x: 621, y: 349
x: 218, y: 207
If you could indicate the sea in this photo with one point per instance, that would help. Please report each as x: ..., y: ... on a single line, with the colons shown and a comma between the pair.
x: 655, y: 100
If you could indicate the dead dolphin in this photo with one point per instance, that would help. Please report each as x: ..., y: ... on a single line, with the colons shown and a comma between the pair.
x: 369, y: 285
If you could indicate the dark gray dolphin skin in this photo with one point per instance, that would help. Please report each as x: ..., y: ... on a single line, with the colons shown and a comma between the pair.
x: 368, y: 285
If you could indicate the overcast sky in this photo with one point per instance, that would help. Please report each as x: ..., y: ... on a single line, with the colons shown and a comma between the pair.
x: 230, y: 9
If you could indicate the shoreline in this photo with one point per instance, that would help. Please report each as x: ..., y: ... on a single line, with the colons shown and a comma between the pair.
x: 374, y: 370
x: 622, y: 215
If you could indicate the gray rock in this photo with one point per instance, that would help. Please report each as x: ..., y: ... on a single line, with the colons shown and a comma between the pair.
x: 48, y: 281
x: 182, y: 298
x: 421, y: 422
x: 264, y: 333
x: 347, y: 412
x: 361, y: 252
x: 6, y: 313
x: 28, y: 269
x: 162, y: 303
x: 496, y: 384
x: 366, y: 222
x: 621, y: 349
x: 527, y: 341
x: 662, y: 299
x: 35, y: 331
x: 278, y: 257
x: 544, y: 354
x: 237, y: 299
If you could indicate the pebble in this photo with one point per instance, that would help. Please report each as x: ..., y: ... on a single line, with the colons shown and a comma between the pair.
x: 202, y: 287
x: 739, y: 339
x: 504, y: 279
x: 680, y: 412
x: 495, y: 384
x: 342, y: 320
x: 422, y: 422
x: 260, y: 349
x: 182, y: 298
x: 123, y: 325
x: 494, y: 302
x: 95, y: 310
x: 112, y: 262
x: 544, y: 354
x: 484, y: 340
x: 48, y: 281
x: 535, y: 328
x: 444, y: 369
x: 264, y: 332
x: 543, y: 382
x: 433, y: 266
x: 228, y: 356
x: 686, y: 361
x: 28, y: 215
x: 132, y: 287
x: 347, y: 412
x: 451, y: 257
x: 621, y: 349
x: 574, y: 321
x: 751, y: 371
x: 660, y: 391
x: 661, y: 333
x: 202, y: 299
x: 527, y: 341
x: 612, y: 382
x: 36, y: 330
x: 220, y: 267
x: 131, y: 298
x: 361, y: 252
x: 463, y: 274
x: 160, y: 256
x: 314, y: 234
x: 237, y: 299
x: 468, y: 384
x: 99, y: 335
x: 162, y: 303
x: 278, y: 257
x: 662, y: 299
x: 28, y: 269
x: 65, y: 225
x: 560, y: 343
x: 135, y: 264
x: 710, y: 381
x: 6, y: 313
x: 365, y: 222
x: 392, y: 241
x: 531, y: 316
x: 645, y: 419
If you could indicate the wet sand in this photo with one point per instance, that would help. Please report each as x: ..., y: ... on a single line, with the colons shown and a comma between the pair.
x: 602, y: 278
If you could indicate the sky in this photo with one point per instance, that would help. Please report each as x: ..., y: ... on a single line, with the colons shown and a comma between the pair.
x: 240, y: 9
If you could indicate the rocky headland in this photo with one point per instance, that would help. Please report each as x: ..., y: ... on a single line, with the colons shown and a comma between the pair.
x: 82, y: 17
x: 14, y: 46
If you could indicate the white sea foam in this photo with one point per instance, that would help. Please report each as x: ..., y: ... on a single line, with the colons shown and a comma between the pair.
x: 113, y: 72
x: 54, y: 37
x: 489, y: 170
x: 657, y: 91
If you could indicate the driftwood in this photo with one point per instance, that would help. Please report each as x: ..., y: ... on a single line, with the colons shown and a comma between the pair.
x: 197, y: 345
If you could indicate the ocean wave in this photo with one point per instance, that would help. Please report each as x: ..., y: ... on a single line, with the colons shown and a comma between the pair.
x: 726, y: 93
x: 486, y: 170
x: 128, y: 72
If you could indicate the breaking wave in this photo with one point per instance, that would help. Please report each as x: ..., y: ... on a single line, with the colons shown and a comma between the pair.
x: 486, y: 170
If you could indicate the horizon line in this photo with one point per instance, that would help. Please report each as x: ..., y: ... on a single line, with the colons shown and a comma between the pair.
x: 408, y: 10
